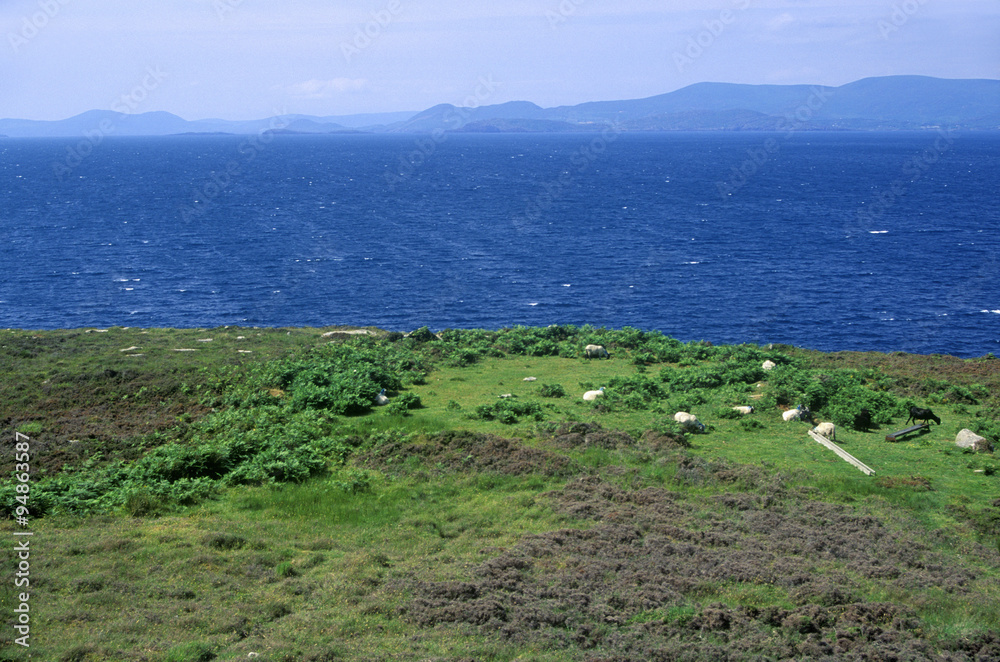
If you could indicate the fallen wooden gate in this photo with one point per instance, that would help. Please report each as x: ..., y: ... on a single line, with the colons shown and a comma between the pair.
x: 895, y: 436
x: 842, y: 453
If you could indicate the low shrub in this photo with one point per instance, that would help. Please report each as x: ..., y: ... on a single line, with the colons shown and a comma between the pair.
x: 845, y: 406
x: 465, y: 357
x: 509, y: 411
x: 422, y: 335
x: 352, y: 481
x: 552, y: 391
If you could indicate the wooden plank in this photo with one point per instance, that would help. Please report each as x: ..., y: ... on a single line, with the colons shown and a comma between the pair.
x: 847, y: 457
x: 902, y: 433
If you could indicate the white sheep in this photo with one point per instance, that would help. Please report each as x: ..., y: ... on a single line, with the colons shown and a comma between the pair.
x: 596, y: 351
x: 590, y: 396
x: 744, y: 410
x: 800, y: 413
x: 769, y: 365
x: 827, y: 430
x: 689, y: 421
x: 381, y: 399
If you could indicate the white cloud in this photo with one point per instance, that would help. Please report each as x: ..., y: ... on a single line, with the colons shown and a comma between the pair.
x: 780, y: 21
x: 325, y: 89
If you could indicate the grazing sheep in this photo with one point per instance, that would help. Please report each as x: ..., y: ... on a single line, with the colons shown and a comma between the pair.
x: 827, y: 430
x: 769, y: 365
x: 530, y: 379
x: 590, y: 396
x: 506, y: 395
x: 744, y: 410
x: 918, y: 414
x: 689, y: 421
x: 381, y: 399
x: 596, y: 352
x: 800, y: 413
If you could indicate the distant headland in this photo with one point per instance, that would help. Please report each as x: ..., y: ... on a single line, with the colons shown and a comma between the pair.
x: 889, y: 103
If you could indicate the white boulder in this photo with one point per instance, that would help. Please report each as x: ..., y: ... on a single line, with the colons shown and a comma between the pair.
x: 969, y: 439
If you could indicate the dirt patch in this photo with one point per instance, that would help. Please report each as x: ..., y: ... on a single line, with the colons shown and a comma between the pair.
x: 114, y: 429
x: 571, y: 435
x: 462, y: 450
x: 661, y: 441
x: 639, y: 585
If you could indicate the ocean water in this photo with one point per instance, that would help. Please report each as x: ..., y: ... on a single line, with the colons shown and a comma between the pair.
x: 863, y: 241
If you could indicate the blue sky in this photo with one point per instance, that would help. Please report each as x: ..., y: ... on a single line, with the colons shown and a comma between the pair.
x: 246, y: 59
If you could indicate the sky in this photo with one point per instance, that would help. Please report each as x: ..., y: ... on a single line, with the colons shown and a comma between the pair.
x: 251, y: 59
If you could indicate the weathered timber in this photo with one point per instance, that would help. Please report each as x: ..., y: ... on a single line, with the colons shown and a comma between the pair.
x: 847, y: 457
x: 895, y: 436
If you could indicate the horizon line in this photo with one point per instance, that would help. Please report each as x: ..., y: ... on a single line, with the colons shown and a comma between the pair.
x: 414, y: 112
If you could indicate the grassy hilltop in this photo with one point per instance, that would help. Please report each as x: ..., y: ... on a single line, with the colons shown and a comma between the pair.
x: 232, y: 493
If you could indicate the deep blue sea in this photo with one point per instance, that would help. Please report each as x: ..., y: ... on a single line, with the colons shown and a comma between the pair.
x: 863, y: 241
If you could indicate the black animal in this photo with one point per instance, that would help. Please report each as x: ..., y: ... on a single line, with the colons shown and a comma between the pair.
x: 918, y: 414
x: 863, y: 421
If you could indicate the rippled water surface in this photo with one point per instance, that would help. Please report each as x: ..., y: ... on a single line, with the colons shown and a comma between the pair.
x: 833, y: 241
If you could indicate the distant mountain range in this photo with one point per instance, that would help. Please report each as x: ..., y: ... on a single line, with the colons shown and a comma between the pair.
x: 884, y: 103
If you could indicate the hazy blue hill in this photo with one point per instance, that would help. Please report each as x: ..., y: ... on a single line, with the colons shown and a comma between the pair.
x: 884, y: 103
x: 312, y: 126
x: 448, y: 117
x: 909, y: 101
x: 103, y: 123
x: 915, y: 99
x: 108, y: 122
x: 765, y: 99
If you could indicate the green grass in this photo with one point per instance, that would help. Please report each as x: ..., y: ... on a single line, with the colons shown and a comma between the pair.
x: 323, y: 567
